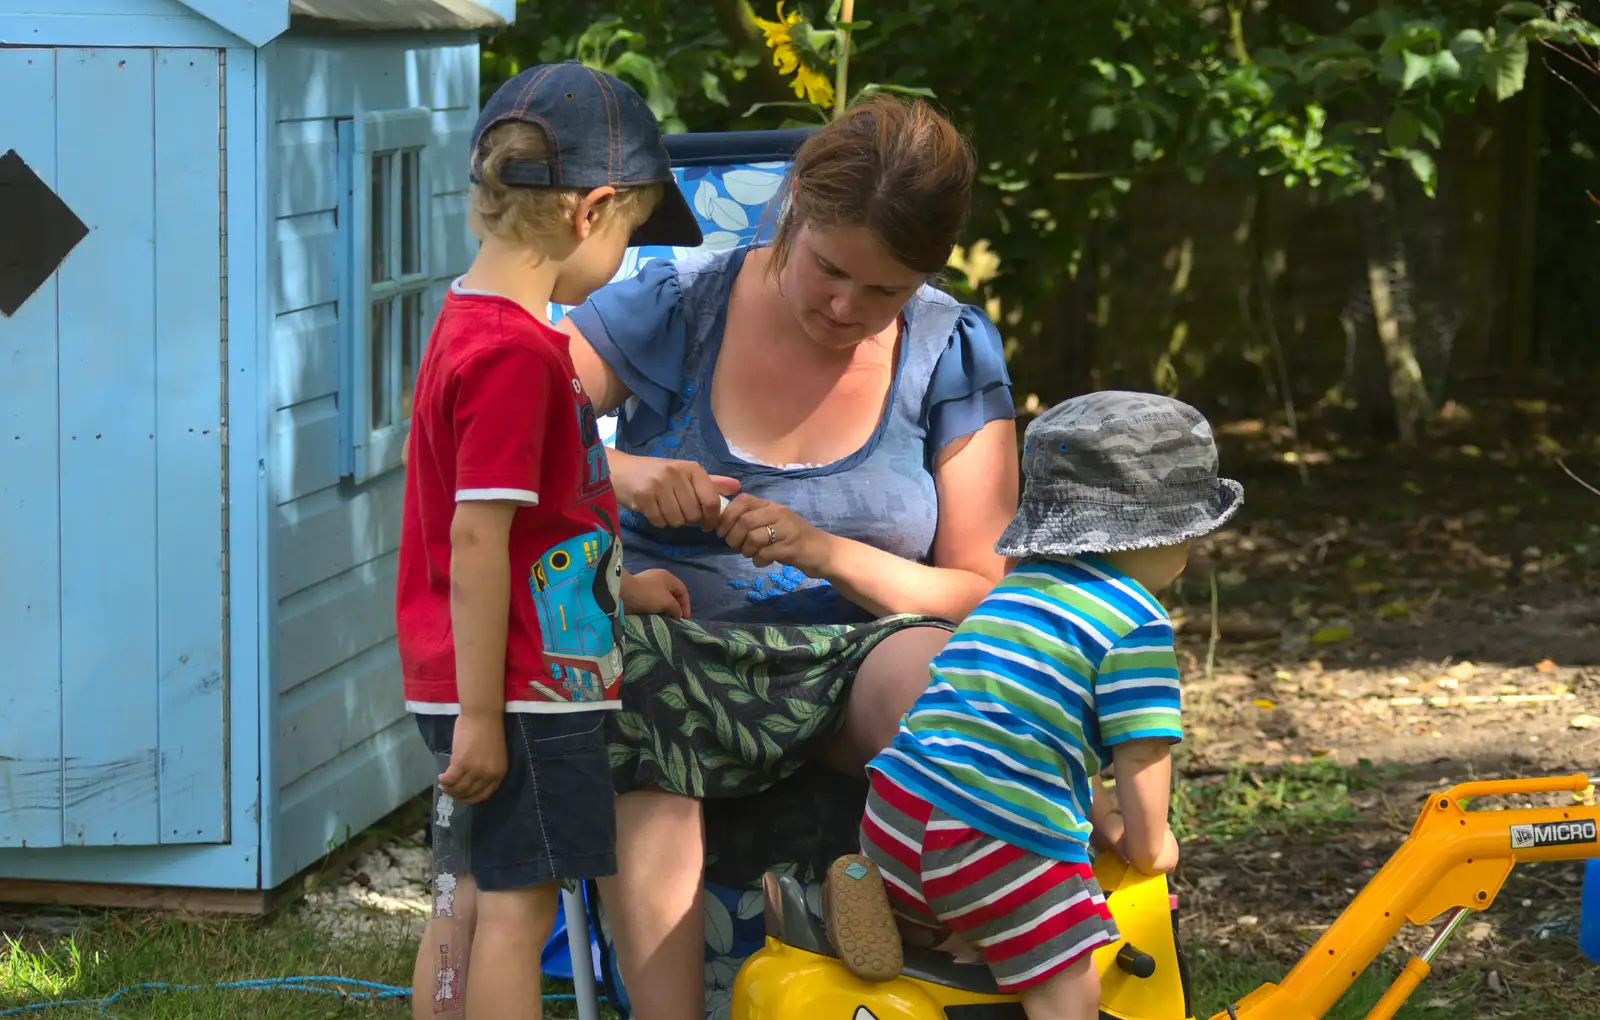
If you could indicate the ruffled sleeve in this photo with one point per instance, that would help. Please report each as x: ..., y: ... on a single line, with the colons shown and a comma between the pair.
x: 637, y: 327
x: 970, y: 386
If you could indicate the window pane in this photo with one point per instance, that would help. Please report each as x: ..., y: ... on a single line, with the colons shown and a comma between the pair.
x: 410, y: 350
x: 411, y: 206
x: 381, y: 396
x: 380, y: 216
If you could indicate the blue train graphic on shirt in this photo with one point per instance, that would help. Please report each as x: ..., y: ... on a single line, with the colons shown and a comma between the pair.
x: 596, y: 470
x: 576, y: 588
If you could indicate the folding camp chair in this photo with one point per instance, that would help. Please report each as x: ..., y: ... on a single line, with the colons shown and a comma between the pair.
x: 733, y: 182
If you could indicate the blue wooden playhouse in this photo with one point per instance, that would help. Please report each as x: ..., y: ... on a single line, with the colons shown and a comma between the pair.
x: 225, y: 226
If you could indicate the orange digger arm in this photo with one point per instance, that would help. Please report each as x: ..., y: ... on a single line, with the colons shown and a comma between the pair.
x: 1452, y: 859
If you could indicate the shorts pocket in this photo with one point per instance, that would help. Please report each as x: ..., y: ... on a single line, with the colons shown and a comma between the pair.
x: 562, y: 735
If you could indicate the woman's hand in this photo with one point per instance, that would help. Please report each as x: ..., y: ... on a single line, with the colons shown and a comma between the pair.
x: 655, y: 593
x: 670, y: 493
x: 770, y: 533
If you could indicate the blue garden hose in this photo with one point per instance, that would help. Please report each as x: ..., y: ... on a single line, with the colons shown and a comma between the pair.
x: 345, y: 988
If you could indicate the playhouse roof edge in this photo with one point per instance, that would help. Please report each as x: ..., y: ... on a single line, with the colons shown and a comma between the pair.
x: 258, y: 22
x: 392, y: 15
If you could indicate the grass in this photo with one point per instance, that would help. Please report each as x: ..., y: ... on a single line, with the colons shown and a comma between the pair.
x: 127, y: 949
x: 1295, y: 800
x: 124, y: 949
x: 1223, y: 977
x: 1566, y: 988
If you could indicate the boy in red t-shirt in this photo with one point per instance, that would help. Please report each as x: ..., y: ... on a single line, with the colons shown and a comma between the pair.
x: 511, y: 588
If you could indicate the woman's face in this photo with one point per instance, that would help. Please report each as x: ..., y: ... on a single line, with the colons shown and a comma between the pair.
x: 843, y: 286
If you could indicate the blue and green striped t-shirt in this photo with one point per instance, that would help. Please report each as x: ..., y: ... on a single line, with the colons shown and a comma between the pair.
x: 1061, y: 662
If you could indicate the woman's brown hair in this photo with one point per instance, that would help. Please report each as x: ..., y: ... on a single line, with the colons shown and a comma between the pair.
x: 895, y: 167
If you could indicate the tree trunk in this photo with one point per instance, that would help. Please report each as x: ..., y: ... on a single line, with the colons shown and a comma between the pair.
x: 1387, y: 278
x: 1522, y: 237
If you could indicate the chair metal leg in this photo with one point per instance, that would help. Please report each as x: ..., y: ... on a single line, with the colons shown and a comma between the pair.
x: 582, y: 956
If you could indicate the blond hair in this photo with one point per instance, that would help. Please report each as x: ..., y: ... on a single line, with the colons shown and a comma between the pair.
x: 538, y: 217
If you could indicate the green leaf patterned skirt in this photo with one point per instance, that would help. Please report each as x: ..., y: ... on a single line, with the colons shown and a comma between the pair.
x: 725, y: 710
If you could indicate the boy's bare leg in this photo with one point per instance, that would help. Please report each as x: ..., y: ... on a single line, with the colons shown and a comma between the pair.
x: 1073, y: 994
x: 457, y: 933
x: 653, y: 904
x: 504, y: 979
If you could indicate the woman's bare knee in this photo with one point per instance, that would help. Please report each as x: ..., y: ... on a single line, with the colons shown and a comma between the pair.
x: 1070, y: 994
x: 888, y: 682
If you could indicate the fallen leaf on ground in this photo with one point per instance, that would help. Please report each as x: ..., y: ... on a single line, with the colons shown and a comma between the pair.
x: 1586, y: 722
x: 1330, y: 635
x: 1265, y: 703
x: 1393, y: 610
x: 1545, y: 666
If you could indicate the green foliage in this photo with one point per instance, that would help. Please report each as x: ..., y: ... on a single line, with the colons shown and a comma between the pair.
x: 1071, y: 106
x: 675, y: 54
x: 1395, y: 75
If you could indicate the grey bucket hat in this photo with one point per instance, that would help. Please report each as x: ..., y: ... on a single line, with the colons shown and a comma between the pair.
x: 1114, y: 471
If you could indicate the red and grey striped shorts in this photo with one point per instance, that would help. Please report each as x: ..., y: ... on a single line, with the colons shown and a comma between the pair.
x: 1030, y: 917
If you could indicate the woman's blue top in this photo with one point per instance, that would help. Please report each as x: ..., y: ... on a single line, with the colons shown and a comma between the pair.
x: 660, y: 331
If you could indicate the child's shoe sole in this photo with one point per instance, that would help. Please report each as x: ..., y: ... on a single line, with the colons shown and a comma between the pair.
x: 859, y: 920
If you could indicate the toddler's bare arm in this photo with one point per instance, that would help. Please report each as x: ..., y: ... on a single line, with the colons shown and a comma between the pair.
x: 1144, y: 788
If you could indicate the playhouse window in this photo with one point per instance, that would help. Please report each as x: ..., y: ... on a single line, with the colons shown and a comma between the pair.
x: 389, y: 233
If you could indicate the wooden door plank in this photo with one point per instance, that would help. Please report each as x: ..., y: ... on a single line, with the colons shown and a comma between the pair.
x: 30, y: 586
x: 191, y: 684
x: 106, y: 146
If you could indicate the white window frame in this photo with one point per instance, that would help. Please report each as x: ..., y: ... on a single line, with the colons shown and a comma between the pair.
x: 372, y: 448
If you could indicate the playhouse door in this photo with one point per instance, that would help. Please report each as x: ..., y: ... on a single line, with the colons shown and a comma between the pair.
x: 113, y: 685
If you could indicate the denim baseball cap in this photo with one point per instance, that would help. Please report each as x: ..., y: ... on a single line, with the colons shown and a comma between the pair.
x: 601, y: 133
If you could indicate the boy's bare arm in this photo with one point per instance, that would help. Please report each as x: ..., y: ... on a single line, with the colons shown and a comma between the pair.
x: 480, y: 608
x: 1144, y: 789
x: 1100, y: 806
x: 1105, y: 819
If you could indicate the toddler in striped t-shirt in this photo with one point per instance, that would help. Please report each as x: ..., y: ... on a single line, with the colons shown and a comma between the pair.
x: 982, y: 812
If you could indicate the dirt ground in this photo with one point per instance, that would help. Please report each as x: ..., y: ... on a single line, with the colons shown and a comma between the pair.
x: 1388, y: 624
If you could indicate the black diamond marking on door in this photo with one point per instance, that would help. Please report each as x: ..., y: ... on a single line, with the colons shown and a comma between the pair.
x: 37, y: 231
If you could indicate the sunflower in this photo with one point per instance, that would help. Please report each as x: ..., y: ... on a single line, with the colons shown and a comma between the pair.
x: 808, y: 83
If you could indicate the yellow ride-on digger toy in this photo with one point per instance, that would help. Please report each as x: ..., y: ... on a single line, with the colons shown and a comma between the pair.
x: 1453, y: 861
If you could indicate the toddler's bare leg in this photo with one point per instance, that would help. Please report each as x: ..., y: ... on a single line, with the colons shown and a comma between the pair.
x: 1072, y: 994
x: 456, y: 932
x: 503, y: 980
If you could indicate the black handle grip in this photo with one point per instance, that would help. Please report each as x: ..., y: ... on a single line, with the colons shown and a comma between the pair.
x: 1140, y: 965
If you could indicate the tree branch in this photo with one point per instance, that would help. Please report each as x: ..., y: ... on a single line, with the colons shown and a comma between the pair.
x: 1562, y: 465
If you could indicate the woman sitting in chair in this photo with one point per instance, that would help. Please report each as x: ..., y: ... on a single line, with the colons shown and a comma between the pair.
x: 821, y: 444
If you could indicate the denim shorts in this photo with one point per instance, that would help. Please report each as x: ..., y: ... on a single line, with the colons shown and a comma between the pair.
x: 552, y: 817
